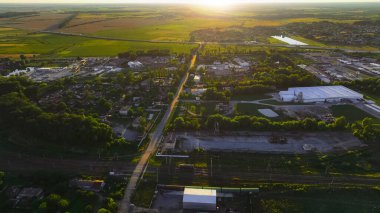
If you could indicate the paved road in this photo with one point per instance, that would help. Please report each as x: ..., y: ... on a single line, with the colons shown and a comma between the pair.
x: 195, y: 42
x: 155, y: 139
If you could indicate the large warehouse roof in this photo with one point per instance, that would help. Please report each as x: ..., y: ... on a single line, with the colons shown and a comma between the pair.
x: 199, y: 199
x: 320, y: 93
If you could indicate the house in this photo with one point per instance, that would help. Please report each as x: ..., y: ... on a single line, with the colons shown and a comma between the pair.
x: 136, y: 122
x: 30, y: 193
x: 197, y: 79
x: 135, y: 64
x: 197, y: 92
x: 124, y: 110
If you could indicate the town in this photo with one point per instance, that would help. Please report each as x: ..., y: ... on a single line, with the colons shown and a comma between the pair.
x: 233, y: 118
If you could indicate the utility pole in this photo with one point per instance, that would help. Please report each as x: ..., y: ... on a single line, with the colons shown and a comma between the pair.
x: 157, y: 175
x: 211, y: 166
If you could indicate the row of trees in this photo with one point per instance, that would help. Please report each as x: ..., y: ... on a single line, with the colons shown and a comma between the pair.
x: 246, y: 122
x: 369, y: 85
x: 367, y: 129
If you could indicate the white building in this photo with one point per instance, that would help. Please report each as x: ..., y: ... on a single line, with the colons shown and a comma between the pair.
x: 319, y: 94
x: 135, y: 64
x: 199, y: 199
x: 289, y: 40
x: 198, y: 91
x: 197, y: 79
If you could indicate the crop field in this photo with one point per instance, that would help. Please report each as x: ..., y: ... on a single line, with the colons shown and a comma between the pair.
x: 155, y: 23
x: 15, y: 42
x: 38, y: 22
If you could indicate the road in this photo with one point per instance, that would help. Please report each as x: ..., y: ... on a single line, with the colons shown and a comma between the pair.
x: 217, y: 43
x: 152, y: 147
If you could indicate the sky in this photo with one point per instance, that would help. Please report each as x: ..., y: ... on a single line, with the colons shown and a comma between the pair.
x: 180, y: 1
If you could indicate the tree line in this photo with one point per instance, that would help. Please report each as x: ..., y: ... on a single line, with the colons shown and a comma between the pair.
x: 366, y: 129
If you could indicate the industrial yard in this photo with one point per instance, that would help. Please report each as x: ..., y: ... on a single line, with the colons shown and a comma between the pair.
x: 296, y: 143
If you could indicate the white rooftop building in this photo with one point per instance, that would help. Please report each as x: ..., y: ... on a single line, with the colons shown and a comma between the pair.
x: 199, y: 199
x: 289, y: 40
x: 197, y: 79
x: 135, y: 64
x: 319, y: 94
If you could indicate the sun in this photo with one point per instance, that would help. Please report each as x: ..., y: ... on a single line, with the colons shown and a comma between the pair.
x: 214, y: 3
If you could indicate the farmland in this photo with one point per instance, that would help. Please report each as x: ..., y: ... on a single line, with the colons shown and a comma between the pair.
x: 21, y: 33
x: 15, y: 42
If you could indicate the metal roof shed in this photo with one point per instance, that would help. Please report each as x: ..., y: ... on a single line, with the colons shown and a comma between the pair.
x: 199, y: 199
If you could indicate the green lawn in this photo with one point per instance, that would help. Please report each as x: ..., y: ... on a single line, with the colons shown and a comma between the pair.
x: 14, y: 42
x: 249, y: 97
x: 328, y: 201
x: 252, y: 110
x: 275, y: 102
x: 351, y: 113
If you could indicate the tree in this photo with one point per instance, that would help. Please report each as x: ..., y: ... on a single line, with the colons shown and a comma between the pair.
x: 111, y: 204
x: 179, y: 123
x: 2, y: 175
x: 103, y: 210
x: 104, y: 105
x: 88, y: 208
x: 170, y: 96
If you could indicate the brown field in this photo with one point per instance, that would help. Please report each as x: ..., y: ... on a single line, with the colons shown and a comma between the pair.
x: 33, y: 23
x: 12, y: 45
x: 17, y: 55
x: 85, y: 25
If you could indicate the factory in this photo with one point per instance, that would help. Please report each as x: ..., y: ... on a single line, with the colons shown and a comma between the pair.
x: 199, y: 199
x: 319, y: 94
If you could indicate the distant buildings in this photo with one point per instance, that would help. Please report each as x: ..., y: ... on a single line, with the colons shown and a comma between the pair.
x: 226, y: 68
x: 319, y: 94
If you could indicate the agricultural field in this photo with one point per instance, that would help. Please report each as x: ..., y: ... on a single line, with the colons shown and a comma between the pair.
x: 15, y: 42
x: 159, y: 23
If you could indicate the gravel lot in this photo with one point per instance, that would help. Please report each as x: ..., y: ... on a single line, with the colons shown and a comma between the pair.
x: 259, y: 142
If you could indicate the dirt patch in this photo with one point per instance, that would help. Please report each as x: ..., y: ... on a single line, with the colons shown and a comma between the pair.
x: 260, y: 142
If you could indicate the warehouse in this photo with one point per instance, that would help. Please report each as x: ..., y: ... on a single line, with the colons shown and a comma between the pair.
x: 199, y: 199
x: 319, y: 94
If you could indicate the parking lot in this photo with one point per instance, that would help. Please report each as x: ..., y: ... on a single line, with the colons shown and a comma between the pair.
x: 260, y: 142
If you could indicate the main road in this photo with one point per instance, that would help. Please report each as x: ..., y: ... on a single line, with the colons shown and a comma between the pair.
x: 152, y: 147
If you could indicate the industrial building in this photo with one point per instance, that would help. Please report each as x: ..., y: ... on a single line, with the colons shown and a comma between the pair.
x: 319, y: 94
x: 199, y: 199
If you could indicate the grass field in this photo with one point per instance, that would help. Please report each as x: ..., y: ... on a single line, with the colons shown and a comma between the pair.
x: 351, y: 113
x: 252, y: 110
x: 15, y: 42
x: 350, y: 200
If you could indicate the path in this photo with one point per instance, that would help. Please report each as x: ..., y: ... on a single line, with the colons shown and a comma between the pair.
x: 155, y: 139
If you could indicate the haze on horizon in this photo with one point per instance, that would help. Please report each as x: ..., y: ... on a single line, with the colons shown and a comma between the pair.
x: 184, y: 1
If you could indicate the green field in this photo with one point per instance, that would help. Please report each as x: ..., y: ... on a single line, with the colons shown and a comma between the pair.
x: 252, y: 110
x: 16, y: 42
x: 351, y: 112
x: 350, y: 200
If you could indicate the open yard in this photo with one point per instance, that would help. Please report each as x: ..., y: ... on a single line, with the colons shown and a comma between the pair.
x: 351, y: 112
